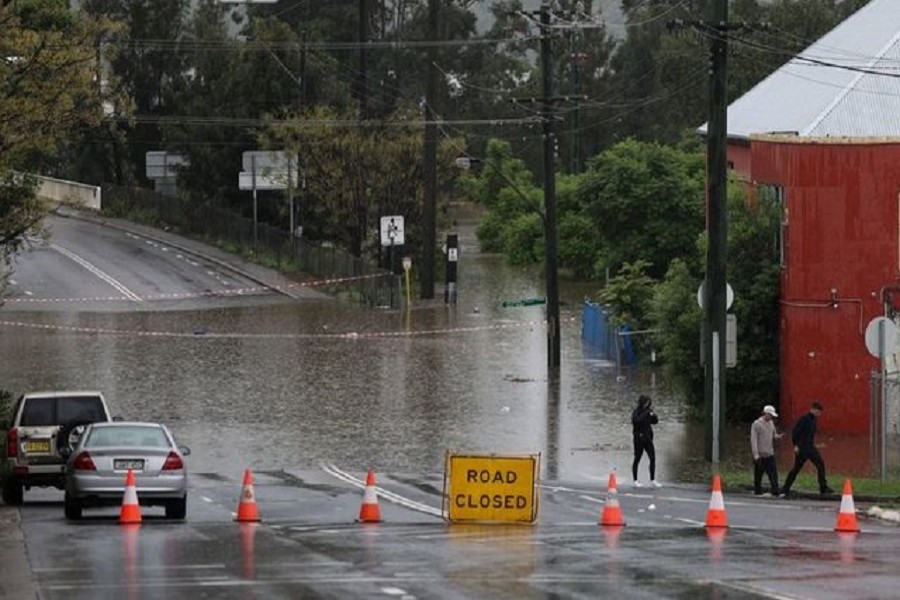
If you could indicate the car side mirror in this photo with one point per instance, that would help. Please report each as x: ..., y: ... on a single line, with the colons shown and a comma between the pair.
x: 118, y: 418
x: 185, y: 451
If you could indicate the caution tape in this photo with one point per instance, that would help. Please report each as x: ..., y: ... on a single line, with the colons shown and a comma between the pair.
x: 349, y: 335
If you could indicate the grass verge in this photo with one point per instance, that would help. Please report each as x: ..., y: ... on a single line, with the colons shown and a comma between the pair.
x: 738, y: 475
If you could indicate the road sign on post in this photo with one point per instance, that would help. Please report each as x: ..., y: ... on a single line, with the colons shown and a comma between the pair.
x: 267, y: 170
x: 392, y: 231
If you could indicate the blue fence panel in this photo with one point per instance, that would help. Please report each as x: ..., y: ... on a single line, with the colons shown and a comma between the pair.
x: 597, y: 331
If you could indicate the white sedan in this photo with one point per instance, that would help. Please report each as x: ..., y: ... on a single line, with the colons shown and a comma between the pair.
x: 97, y: 468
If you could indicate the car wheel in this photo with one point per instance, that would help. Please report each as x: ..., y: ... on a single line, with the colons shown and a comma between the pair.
x: 177, y: 509
x: 72, y: 507
x: 68, y: 436
x: 13, y: 493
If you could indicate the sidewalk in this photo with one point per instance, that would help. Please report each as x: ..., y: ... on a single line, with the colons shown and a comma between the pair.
x: 16, y: 582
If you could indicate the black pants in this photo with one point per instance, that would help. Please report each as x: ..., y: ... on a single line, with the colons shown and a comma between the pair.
x: 807, y: 454
x: 767, y: 464
x: 643, y: 444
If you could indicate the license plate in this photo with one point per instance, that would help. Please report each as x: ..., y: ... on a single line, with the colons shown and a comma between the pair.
x: 123, y: 464
x: 35, y: 446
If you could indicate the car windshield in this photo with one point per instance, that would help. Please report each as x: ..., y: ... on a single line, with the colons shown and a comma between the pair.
x: 133, y: 437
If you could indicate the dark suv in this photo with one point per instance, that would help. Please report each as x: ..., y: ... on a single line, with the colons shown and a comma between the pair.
x: 43, y: 429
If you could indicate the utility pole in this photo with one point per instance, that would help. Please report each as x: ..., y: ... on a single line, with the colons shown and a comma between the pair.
x: 575, y: 58
x: 548, y: 118
x: 429, y: 162
x: 715, y: 286
x: 301, y: 98
x: 553, y: 352
x: 362, y: 84
x: 717, y: 179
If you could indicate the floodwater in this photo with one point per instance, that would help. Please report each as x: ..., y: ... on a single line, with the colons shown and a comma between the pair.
x: 252, y: 382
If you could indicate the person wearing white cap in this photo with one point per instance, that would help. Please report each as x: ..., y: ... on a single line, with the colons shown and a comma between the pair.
x: 762, y: 445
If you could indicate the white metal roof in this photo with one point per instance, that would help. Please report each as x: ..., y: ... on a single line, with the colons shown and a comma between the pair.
x: 818, y: 100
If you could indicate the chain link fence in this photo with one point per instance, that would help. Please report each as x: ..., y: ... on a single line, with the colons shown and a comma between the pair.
x: 884, y: 432
x: 337, y: 272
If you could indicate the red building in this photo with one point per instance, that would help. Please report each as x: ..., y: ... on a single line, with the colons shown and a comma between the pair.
x: 823, y: 132
x: 840, y: 265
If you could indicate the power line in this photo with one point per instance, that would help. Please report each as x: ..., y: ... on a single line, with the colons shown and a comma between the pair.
x: 300, y: 122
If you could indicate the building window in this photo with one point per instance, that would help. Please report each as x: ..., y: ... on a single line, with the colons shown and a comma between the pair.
x: 776, y: 193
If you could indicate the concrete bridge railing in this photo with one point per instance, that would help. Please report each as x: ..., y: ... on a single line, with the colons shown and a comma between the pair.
x: 69, y: 192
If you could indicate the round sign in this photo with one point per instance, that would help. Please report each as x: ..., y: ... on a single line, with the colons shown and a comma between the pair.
x: 407, y: 263
x: 881, y: 337
x: 729, y: 295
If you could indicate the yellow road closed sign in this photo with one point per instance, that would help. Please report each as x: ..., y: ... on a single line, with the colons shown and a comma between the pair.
x: 491, y: 488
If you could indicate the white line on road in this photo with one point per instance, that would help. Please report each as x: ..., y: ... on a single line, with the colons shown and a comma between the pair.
x: 92, y: 269
x: 383, y: 493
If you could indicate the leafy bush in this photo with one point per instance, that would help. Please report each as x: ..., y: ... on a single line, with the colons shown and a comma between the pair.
x: 5, y: 404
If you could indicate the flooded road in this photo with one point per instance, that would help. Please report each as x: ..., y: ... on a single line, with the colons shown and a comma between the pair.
x: 268, y: 382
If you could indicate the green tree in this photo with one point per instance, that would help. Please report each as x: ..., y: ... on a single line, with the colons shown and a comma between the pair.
x: 48, y: 66
x: 753, y: 273
x: 355, y: 174
x: 647, y: 204
x: 629, y: 294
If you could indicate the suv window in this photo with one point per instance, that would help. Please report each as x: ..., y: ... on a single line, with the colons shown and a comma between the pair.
x: 43, y: 412
x: 39, y: 412
x: 84, y: 408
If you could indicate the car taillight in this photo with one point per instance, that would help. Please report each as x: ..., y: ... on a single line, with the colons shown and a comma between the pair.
x: 173, y: 462
x: 84, y: 462
x: 12, y: 443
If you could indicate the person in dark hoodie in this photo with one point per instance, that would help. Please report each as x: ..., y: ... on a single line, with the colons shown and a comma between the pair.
x: 642, y: 420
x: 804, y: 437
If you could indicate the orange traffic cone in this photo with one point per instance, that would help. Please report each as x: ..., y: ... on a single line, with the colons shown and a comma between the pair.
x: 715, y: 516
x: 370, y: 512
x: 611, y: 514
x: 846, y: 519
x: 131, y: 510
x: 247, y: 510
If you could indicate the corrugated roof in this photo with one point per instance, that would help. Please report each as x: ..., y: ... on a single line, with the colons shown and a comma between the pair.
x: 819, y: 100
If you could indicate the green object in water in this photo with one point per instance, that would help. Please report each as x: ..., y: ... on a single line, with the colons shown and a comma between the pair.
x: 523, y: 302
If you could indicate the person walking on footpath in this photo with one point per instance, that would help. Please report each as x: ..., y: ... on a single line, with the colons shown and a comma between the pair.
x: 762, y: 446
x: 642, y: 420
x: 804, y: 437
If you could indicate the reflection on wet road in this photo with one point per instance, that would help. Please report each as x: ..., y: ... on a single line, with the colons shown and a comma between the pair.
x: 308, y: 545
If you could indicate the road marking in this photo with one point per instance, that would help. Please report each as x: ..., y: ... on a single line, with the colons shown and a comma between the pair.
x: 205, y: 499
x: 383, y: 493
x: 92, y: 269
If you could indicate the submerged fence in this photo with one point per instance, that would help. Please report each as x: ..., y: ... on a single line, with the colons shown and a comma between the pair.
x: 338, y: 272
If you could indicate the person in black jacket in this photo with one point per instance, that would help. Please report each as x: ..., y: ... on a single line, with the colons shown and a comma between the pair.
x: 804, y: 438
x: 642, y: 420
